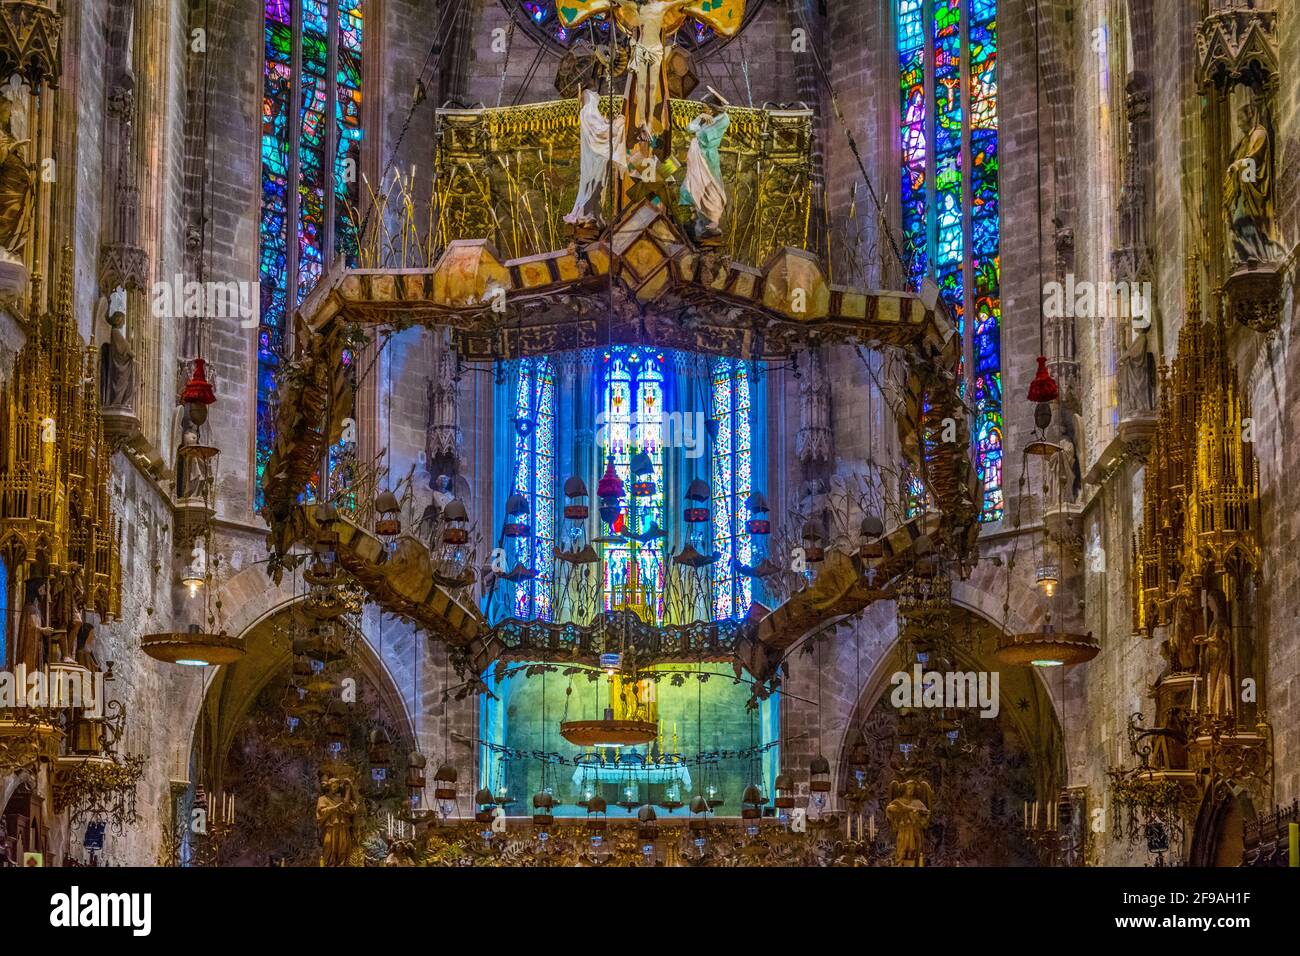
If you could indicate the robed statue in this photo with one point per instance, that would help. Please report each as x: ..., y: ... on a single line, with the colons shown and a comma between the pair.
x: 703, y: 188
x: 604, y: 157
x: 336, y: 816
x: 909, y: 814
x: 17, y: 180
x: 117, y: 365
x: 1248, y: 192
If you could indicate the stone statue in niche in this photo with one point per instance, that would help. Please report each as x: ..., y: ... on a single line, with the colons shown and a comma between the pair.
x: 33, y: 631
x: 1216, y: 655
x: 117, y: 365
x: 336, y: 815
x: 1137, y: 378
x: 17, y: 180
x: 1248, y: 192
x: 67, y: 600
x: 1180, y: 645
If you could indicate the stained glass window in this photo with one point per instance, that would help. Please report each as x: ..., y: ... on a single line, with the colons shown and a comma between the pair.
x: 732, y: 485
x: 950, y: 220
x: 631, y: 409
x: 535, y: 479
x: 311, y: 134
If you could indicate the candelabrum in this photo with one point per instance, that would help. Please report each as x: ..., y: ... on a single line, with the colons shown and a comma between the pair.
x: 1058, y: 829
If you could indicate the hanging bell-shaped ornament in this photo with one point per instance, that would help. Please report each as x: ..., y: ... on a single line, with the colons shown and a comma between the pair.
x: 516, y: 524
x: 444, y: 782
x: 758, y: 522
x: 198, y: 394
x: 697, y: 496
x: 643, y: 469
x: 1043, y: 387
x: 455, y: 523
x: 387, y: 507
x: 784, y: 786
x: 819, y: 775
x: 610, y: 487
x: 575, y: 489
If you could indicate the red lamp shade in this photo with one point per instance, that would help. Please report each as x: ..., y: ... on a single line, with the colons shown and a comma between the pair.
x: 198, y: 388
x: 1043, y: 387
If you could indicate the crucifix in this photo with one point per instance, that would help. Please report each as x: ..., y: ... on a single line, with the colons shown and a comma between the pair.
x: 650, y: 26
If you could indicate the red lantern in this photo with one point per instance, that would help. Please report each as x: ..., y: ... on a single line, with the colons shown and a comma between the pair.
x: 1043, y: 387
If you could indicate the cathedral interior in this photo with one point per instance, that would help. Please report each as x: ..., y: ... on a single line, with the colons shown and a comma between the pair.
x: 623, y: 433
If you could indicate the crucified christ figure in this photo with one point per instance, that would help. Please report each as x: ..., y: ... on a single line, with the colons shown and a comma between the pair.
x: 650, y: 26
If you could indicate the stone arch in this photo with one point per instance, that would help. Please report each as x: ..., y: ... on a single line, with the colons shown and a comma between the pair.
x: 1218, y: 836
x: 1039, y: 725
x: 229, y: 691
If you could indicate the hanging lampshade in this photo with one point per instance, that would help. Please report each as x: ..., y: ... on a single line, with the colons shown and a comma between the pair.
x: 1046, y: 647
x: 784, y: 787
x: 335, y: 723
x: 1043, y: 387
x: 193, y: 648
x: 752, y: 801
x: 596, y: 807
x: 379, y: 750
x: 870, y: 531
x: 757, y: 505
x: 193, y: 577
x: 455, y: 530
x: 711, y: 786
x: 697, y: 494
x: 575, y: 488
x: 1047, y: 577
x: 812, y: 535
x: 444, y: 782
x: 643, y: 469
x: 647, y: 824
x: 387, y: 507
x: 197, y: 394
x: 671, y: 798
x: 516, y: 509
x: 610, y: 487
x: 819, y: 775
x: 485, y: 802
x: 700, y: 810
x: 543, y: 809
x: 415, y: 765
x: 629, y: 792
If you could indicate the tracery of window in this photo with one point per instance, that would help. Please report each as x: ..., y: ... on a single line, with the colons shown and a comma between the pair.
x: 950, y: 220
x: 631, y: 405
x: 732, y: 485
x: 535, y: 479
x: 311, y: 134
x: 540, y: 19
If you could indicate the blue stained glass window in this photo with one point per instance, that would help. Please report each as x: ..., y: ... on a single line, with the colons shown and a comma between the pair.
x: 631, y: 405
x: 305, y: 212
x: 535, y: 478
x: 732, y: 485
x: 949, y: 200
